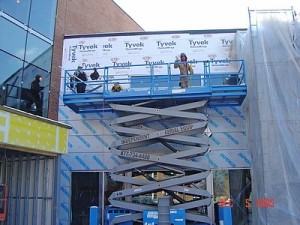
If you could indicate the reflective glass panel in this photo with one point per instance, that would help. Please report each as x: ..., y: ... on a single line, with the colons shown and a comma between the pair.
x: 10, y: 79
x: 38, y: 52
x: 13, y: 39
x: 19, y: 9
x: 9, y: 66
x: 221, y: 185
x: 42, y: 17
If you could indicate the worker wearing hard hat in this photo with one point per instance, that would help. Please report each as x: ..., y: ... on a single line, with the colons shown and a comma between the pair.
x: 117, y: 87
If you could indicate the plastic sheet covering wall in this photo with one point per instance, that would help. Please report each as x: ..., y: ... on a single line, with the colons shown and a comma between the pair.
x: 272, y: 107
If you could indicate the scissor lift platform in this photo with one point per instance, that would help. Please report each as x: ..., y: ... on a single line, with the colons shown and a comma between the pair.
x: 221, y: 88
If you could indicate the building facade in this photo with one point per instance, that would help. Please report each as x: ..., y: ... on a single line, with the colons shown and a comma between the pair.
x: 33, y: 44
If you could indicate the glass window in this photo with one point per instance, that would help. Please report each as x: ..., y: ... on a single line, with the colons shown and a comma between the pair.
x: 42, y: 17
x: 19, y: 9
x: 38, y: 52
x: 9, y: 66
x: 10, y: 79
x: 221, y: 185
x: 13, y: 39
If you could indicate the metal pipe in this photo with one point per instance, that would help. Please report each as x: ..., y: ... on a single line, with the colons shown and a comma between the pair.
x: 164, y: 210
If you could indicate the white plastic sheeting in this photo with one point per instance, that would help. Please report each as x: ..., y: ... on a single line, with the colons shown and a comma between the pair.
x: 271, y: 49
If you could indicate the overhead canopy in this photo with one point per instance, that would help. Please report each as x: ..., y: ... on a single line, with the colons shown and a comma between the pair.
x: 29, y: 133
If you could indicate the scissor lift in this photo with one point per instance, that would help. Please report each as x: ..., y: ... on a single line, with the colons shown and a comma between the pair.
x: 162, y: 131
x: 175, y: 152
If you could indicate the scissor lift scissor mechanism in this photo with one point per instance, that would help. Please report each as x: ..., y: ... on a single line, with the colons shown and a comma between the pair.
x: 164, y: 153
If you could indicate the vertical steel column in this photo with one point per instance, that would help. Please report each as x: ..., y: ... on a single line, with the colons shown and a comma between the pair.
x: 209, y: 182
x: 19, y: 218
x: 36, y: 188
x: 102, y: 181
x: 55, y: 186
x: 3, y: 169
x: 10, y: 191
x: 27, y: 187
x: 164, y: 210
x: 44, y: 192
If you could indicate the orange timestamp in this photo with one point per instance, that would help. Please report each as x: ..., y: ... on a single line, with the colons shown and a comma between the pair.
x: 259, y: 203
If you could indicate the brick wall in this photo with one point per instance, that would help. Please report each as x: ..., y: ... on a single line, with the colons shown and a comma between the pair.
x: 83, y: 17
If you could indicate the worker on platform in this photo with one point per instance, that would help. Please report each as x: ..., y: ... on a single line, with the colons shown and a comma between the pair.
x: 80, y: 78
x: 117, y: 87
x: 95, y: 75
x: 184, y: 68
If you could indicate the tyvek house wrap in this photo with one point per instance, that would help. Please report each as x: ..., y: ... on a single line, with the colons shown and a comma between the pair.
x: 271, y: 49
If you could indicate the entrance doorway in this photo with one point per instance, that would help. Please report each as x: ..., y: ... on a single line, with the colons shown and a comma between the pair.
x: 85, y: 193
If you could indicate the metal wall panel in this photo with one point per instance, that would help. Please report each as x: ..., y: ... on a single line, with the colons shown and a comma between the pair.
x: 30, y: 179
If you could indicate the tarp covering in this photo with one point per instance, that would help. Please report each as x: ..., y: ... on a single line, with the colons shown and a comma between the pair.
x: 271, y: 49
